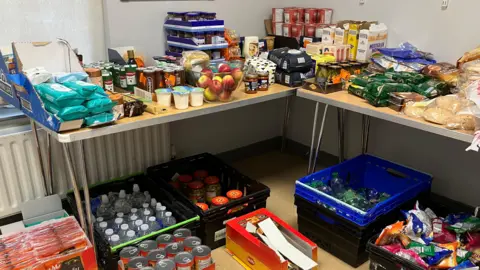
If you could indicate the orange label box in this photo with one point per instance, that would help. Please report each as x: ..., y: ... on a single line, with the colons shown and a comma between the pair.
x: 263, y: 241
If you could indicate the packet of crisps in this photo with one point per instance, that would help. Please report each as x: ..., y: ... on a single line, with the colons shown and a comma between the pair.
x: 405, y: 240
x: 439, y: 256
x: 422, y: 249
x: 469, y: 224
x: 463, y: 255
x: 440, y: 232
x: 410, y: 255
x: 450, y: 261
x: 389, y: 234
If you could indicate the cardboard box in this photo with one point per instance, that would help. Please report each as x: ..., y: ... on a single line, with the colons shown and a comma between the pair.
x: 369, y: 40
x: 315, y: 48
x: 7, y: 91
x: 353, y: 35
x: 53, y: 56
x: 280, y: 242
x: 341, y: 36
x: 328, y: 36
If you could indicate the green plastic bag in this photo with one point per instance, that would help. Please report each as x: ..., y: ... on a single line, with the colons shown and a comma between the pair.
x: 97, y: 106
x: 68, y: 113
x: 59, y: 95
x: 99, y: 119
x: 433, y: 88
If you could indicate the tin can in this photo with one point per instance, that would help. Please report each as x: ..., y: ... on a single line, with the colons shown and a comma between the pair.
x: 310, y: 15
x: 137, y: 263
x: 147, y: 246
x: 127, y: 253
x: 202, y: 256
x: 301, y: 15
x: 310, y: 30
x: 165, y: 264
x: 180, y: 234
x: 287, y: 29
x: 164, y: 239
x: 289, y: 15
x: 184, y: 261
x: 202, y: 206
x: 277, y: 14
x: 156, y: 255
x: 199, y: 175
x: 297, y: 30
x: 190, y: 242
x: 173, y: 249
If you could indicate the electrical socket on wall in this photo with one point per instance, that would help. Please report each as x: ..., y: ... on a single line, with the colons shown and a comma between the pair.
x: 362, y: 2
x: 445, y: 4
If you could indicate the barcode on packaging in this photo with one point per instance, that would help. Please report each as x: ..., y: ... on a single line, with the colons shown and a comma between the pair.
x: 220, y: 234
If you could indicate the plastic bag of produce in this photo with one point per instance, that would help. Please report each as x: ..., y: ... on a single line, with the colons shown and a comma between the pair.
x: 59, y: 95
x: 443, y: 71
x: 67, y: 113
x: 432, y: 88
x: 194, y: 62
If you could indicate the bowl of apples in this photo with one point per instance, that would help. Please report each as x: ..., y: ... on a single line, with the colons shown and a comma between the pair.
x: 220, y: 80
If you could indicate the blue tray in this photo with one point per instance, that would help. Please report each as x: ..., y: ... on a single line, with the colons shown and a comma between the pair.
x: 195, y: 27
x: 368, y: 171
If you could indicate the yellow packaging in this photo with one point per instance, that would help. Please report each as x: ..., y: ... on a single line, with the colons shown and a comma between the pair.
x: 353, y: 40
x: 315, y: 48
x: 341, y: 36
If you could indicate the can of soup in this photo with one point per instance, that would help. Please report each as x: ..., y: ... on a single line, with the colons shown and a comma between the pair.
x: 147, y: 246
x: 173, y: 249
x: 156, y: 255
x: 184, y: 261
x: 164, y: 239
x: 137, y: 263
x: 126, y: 254
x: 165, y: 264
x: 202, y: 256
x: 190, y: 242
x: 180, y: 234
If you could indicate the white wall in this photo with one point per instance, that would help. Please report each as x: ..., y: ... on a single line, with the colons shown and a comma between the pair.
x: 78, y: 21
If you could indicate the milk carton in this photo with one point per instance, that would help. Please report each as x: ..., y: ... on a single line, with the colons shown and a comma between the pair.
x: 369, y: 40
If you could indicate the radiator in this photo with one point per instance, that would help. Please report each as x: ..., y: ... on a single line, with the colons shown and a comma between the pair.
x: 105, y: 158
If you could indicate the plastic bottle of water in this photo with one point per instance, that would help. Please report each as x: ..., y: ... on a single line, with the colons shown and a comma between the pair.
x: 123, y: 230
x: 337, y: 184
x: 108, y: 234
x: 148, y: 197
x: 138, y: 198
x: 131, y: 221
x: 121, y: 204
x: 138, y: 224
x: 117, y: 224
x: 105, y: 210
x: 144, y: 230
x: 115, y: 240
x: 97, y: 223
x: 146, y: 215
x: 120, y: 215
x: 146, y: 206
x: 130, y: 236
x: 133, y: 212
x: 169, y: 220
x: 153, y: 224
x: 161, y: 214
x: 153, y: 204
x: 102, y: 226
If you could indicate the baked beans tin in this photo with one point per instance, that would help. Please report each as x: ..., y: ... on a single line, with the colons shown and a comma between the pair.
x: 126, y: 254
x: 310, y: 15
x: 164, y: 239
x: 310, y: 30
x: 202, y: 256
x: 137, y: 263
x: 287, y: 29
x: 277, y: 14
x: 290, y: 15
x: 184, y: 261
x: 155, y: 255
x: 190, y: 242
x: 180, y: 234
x: 297, y: 30
x: 173, y: 249
x: 165, y: 264
x: 147, y: 246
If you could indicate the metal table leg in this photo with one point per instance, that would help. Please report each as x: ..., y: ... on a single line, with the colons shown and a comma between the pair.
x: 365, y: 132
x: 86, y: 193
x: 73, y: 179
x: 39, y: 153
x: 286, y: 117
x: 341, y: 134
x: 320, y: 135
x: 313, y: 139
x: 49, y: 164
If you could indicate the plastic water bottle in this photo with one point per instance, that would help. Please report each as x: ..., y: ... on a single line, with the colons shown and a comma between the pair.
x: 134, y: 212
x: 102, y: 226
x: 138, y: 198
x: 105, y: 210
x: 169, y: 220
x: 148, y: 197
x: 144, y: 230
x: 153, y: 224
x: 118, y: 223
x: 108, y: 234
x: 138, y: 224
x: 97, y: 222
x: 120, y: 215
x: 121, y: 204
x: 131, y: 222
x: 130, y: 236
x: 337, y: 184
x: 115, y: 240
x: 146, y: 215
x: 153, y: 204
x: 161, y: 213
x: 123, y: 230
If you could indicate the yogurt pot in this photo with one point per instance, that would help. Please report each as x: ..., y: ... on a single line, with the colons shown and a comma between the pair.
x: 181, y: 99
x: 196, y: 97
x: 164, y: 97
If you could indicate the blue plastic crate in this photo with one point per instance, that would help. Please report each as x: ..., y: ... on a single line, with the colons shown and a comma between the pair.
x: 402, y: 183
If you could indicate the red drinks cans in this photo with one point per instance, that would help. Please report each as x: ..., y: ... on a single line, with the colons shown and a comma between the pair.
x: 310, y: 30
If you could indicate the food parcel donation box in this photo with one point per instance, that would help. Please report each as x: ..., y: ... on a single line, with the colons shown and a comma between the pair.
x: 263, y: 241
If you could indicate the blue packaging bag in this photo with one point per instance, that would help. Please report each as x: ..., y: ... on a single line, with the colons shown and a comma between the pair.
x: 59, y: 95
x: 101, y: 105
x: 67, y: 113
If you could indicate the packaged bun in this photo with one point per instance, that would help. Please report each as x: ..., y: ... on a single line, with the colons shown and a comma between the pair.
x: 437, y: 115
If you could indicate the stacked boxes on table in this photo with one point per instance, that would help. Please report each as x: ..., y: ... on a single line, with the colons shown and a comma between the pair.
x: 293, y: 66
x: 343, y: 224
x: 297, y: 22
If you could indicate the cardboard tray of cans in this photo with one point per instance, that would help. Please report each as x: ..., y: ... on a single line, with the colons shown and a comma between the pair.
x: 212, y: 228
x: 185, y: 215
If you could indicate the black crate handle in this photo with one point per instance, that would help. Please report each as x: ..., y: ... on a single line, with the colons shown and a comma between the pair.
x: 396, y: 173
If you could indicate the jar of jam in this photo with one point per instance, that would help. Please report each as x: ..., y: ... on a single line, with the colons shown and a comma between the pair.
x: 192, y: 16
x: 210, y: 16
x: 212, y: 188
x: 219, y: 201
x: 149, y: 80
x: 184, y: 180
x: 199, y: 38
x: 138, y: 77
x: 173, y: 33
x: 196, y: 192
x: 209, y: 37
x: 200, y: 175
x: 202, y: 206
x: 169, y: 76
x: 263, y: 80
x: 159, y: 80
x: 251, y: 83
x: 181, y: 34
x: 179, y: 76
x: 234, y: 194
x: 219, y: 37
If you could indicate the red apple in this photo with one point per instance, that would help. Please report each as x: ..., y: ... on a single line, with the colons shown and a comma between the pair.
x: 228, y: 83
x: 216, y: 85
x: 204, y: 81
x: 224, y: 68
x: 237, y: 74
x: 208, y: 72
x: 225, y: 96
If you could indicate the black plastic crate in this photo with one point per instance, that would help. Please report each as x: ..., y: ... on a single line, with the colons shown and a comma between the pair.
x: 382, y: 259
x: 212, y: 228
x: 341, y: 237
x: 107, y: 256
